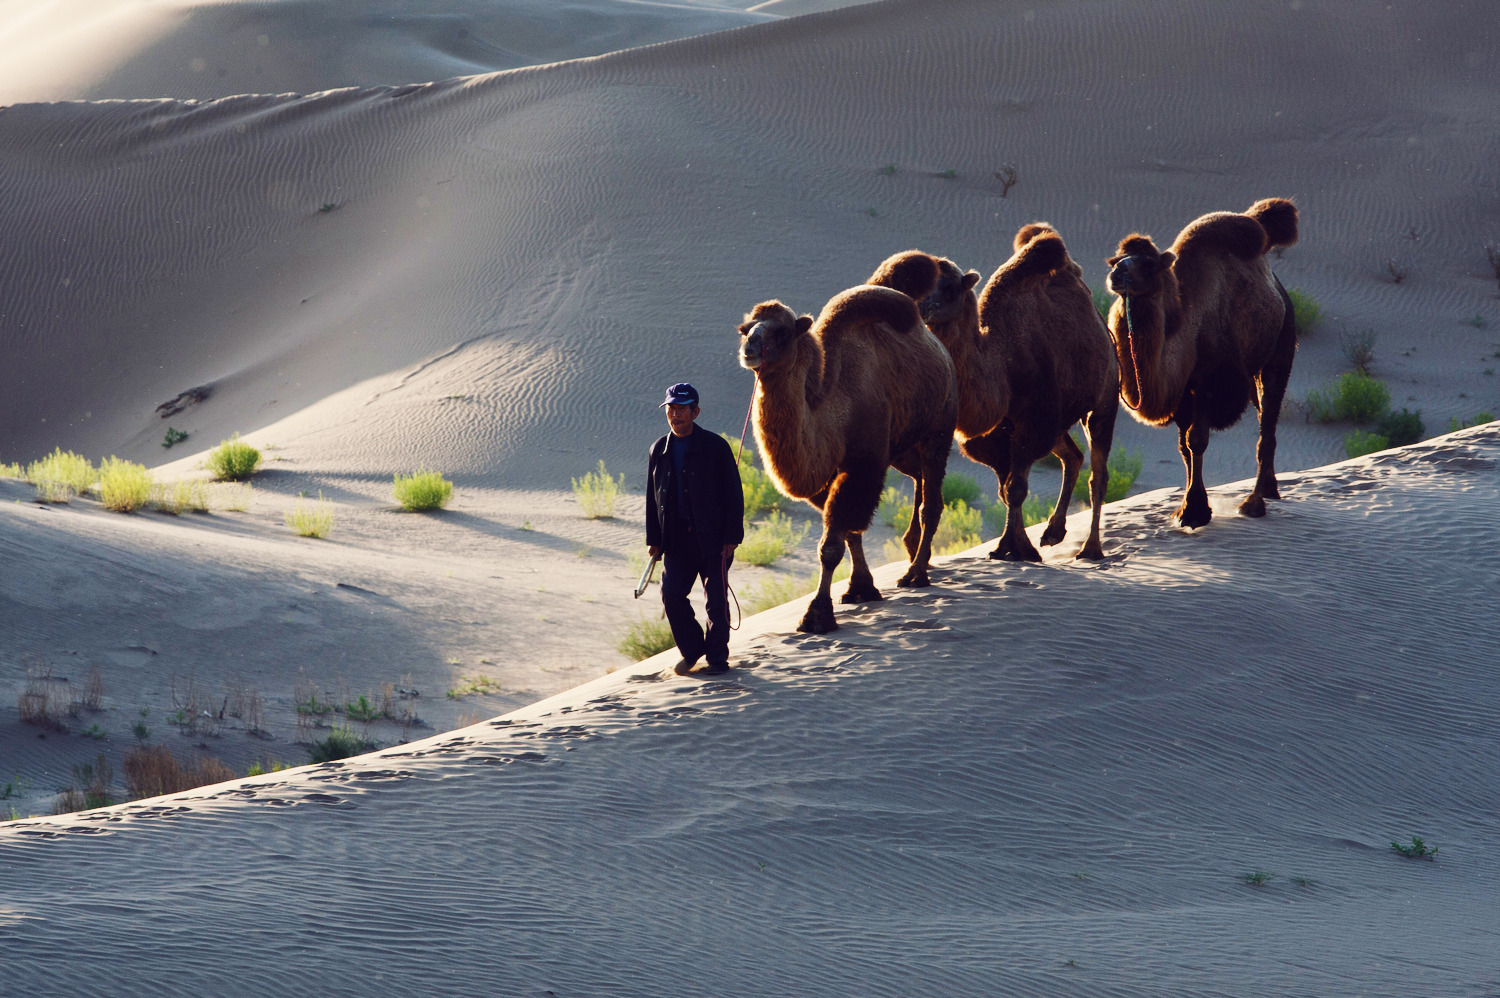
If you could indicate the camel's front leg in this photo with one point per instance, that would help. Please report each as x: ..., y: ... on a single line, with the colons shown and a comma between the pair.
x: 850, y: 506
x: 1192, y: 441
x: 819, y: 616
x: 1100, y: 428
x: 1071, y: 457
x: 861, y: 581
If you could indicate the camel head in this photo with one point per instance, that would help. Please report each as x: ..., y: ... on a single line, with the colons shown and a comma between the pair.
x: 769, y: 334
x: 1139, y: 269
x: 953, y: 297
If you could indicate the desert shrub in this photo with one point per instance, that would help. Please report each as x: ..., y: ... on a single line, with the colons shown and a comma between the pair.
x: 597, y: 493
x: 1455, y: 424
x: 1359, y: 348
x: 310, y: 519
x: 180, y: 496
x: 423, y: 490
x: 1355, y: 397
x: 233, y: 460
x: 960, y: 487
x: 12, y: 471
x: 340, y: 743
x: 174, y: 436
x: 480, y: 684
x: 1401, y: 428
x: 1037, y: 509
x: 124, y: 486
x: 1361, y: 442
x: 895, y: 509
x: 774, y: 592
x: 40, y: 702
x: 644, y: 638
x: 1124, y: 469
x: 361, y: 709
x: 90, y: 787
x: 152, y: 770
x: 235, y: 498
x: 759, y: 491
x: 1305, y: 309
x: 959, y: 528
x: 770, y: 539
x: 271, y: 766
x: 61, y: 475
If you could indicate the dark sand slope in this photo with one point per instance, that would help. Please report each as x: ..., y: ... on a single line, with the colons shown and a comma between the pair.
x: 1023, y: 781
x: 505, y: 265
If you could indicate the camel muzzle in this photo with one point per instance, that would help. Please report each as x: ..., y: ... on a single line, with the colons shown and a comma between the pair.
x: 752, y: 348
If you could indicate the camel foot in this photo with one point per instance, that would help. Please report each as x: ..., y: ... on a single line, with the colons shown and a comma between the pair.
x: 1053, y: 535
x: 915, y: 578
x: 1002, y: 550
x: 1092, y: 551
x: 862, y: 593
x: 819, y: 617
x: 1254, y: 505
x: 1193, y: 517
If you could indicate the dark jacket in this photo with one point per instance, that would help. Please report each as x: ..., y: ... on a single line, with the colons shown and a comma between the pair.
x: 716, y: 503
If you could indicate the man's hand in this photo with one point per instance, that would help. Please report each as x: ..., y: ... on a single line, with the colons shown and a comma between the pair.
x: 653, y: 550
x: 729, y: 550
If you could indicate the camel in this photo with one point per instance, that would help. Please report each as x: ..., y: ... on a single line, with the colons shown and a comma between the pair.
x: 837, y: 401
x: 1203, y: 330
x: 1032, y: 358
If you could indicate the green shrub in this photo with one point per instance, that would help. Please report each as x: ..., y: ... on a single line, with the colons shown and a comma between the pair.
x: 12, y: 471
x: 774, y: 592
x: 310, y: 520
x: 644, y: 638
x: 1305, y: 310
x: 233, y: 460
x: 1358, y: 443
x: 174, y: 436
x: 959, y: 528
x: 235, y: 498
x: 124, y: 485
x: 180, y: 496
x: 1454, y: 425
x: 771, y: 539
x: 480, y: 684
x: 1103, y: 301
x: 422, y: 490
x: 1124, y: 469
x: 362, y: 710
x: 1401, y: 428
x: 895, y: 509
x: 960, y: 487
x: 597, y: 493
x: 1355, y: 397
x: 759, y: 491
x: 1037, y: 509
x: 341, y: 743
x: 61, y: 475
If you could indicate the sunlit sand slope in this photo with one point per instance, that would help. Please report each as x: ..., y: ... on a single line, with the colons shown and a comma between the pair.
x: 1025, y: 780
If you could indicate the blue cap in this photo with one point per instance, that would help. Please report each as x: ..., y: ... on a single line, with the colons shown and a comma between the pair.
x: 681, y: 393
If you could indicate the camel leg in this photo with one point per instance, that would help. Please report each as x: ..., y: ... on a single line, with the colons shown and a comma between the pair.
x: 1270, y: 387
x: 1072, y: 459
x: 930, y: 510
x: 911, y: 539
x: 1025, y: 448
x: 849, y: 507
x: 1192, y: 441
x: 1100, y: 428
x: 861, y: 582
x: 993, y: 450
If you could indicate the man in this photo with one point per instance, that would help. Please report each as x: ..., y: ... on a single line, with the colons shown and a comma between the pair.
x: 694, y: 520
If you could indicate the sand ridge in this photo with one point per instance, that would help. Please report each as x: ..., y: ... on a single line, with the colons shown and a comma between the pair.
x: 1048, y: 780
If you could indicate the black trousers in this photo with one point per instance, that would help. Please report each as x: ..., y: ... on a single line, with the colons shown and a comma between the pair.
x: 681, y: 567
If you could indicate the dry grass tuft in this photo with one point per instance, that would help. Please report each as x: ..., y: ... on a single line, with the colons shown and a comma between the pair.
x: 152, y: 770
x: 40, y: 703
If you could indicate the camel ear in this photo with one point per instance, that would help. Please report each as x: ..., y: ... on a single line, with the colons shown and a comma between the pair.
x: 1114, y: 260
x: 971, y: 279
x: 1166, y: 260
x: 745, y: 327
x: 804, y: 323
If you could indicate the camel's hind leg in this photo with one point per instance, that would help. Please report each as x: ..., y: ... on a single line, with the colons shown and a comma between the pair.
x: 1100, y: 428
x: 1071, y: 457
x: 1270, y: 390
x: 993, y: 450
x: 850, y: 504
x: 929, y: 509
x: 861, y: 581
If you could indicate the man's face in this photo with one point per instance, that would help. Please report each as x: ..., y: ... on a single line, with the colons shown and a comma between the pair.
x: 680, y: 418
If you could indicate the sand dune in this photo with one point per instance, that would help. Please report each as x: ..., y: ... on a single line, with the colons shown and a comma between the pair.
x: 1026, y: 780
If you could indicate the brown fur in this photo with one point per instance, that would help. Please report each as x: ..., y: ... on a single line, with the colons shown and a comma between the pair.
x: 1032, y: 358
x: 1204, y: 329
x: 837, y: 401
x: 913, y: 273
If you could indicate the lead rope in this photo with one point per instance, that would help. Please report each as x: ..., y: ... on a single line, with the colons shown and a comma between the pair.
x: 1134, y: 360
x: 723, y: 561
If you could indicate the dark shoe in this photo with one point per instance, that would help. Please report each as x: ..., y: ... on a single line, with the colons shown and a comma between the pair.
x: 684, y: 666
x: 714, y: 669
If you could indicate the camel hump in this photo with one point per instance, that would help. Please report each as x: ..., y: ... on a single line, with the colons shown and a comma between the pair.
x: 1043, y: 254
x: 1029, y: 232
x: 913, y: 273
x: 1278, y: 217
x: 868, y: 305
x: 1224, y: 232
